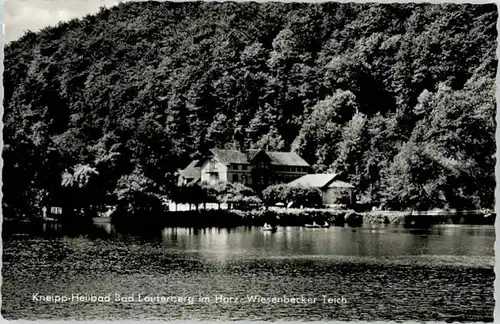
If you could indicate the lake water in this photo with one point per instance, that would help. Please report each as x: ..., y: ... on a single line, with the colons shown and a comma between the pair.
x: 339, y: 273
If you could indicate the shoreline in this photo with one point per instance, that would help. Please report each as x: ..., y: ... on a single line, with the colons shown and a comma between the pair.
x: 300, y: 217
x: 276, y: 216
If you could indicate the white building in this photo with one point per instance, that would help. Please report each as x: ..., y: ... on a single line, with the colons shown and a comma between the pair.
x: 331, y: 188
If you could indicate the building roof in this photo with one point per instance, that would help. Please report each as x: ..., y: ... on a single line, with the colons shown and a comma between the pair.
x: 230, y: 156
x: 253, y: 153
x: 340, y: 184
x: 320, y: 181
x: 277, y: 158
x: 287, y: 158
x: 192, y: 171
x: 314, y: 180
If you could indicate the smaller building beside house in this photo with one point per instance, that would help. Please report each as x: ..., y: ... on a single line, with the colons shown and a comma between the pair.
x: 333, y: 191
x: 191, y: 174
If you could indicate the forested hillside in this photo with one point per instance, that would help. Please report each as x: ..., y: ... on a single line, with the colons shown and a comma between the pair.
x: 399, y: 97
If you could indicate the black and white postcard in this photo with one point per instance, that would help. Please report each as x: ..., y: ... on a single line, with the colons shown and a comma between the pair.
x: 248, y: 161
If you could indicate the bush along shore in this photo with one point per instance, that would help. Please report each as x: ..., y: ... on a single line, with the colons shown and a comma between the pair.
x: 300, y: 217
x: 256, y: 217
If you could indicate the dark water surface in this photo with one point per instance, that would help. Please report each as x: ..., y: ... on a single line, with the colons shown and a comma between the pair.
x: 368, y: 273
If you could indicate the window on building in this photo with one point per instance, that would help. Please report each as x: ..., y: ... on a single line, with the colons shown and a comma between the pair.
x: 244, y: 179
x: 235, y: 178
x: 212, y: 165
x: 213, y: 178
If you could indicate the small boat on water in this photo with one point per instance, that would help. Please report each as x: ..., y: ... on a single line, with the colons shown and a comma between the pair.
x: 326, y: 225
x: 488, y: 215
x: 313, y: 225
x: 269, y: 228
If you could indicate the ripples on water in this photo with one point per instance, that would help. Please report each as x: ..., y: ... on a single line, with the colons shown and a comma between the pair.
x: 387, y: 273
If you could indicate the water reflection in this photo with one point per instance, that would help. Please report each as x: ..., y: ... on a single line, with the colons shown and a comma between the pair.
x: 223, y: 244
x: 108, y: 228
x: 388, y: 272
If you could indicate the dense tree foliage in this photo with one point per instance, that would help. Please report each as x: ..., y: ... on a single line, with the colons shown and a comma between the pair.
x: 399, y: 97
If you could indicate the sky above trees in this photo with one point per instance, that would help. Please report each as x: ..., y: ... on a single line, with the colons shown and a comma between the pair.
x: 22, y: 15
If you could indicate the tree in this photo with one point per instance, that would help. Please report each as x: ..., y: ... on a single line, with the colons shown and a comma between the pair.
x: 230, y: 193
x: 300, y: 196
x: 440, y: 165
x: 293, y: 76
x: 350, y: 155
x: 136, y: 194
x: 82, y: 188
x: 322, y: 128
